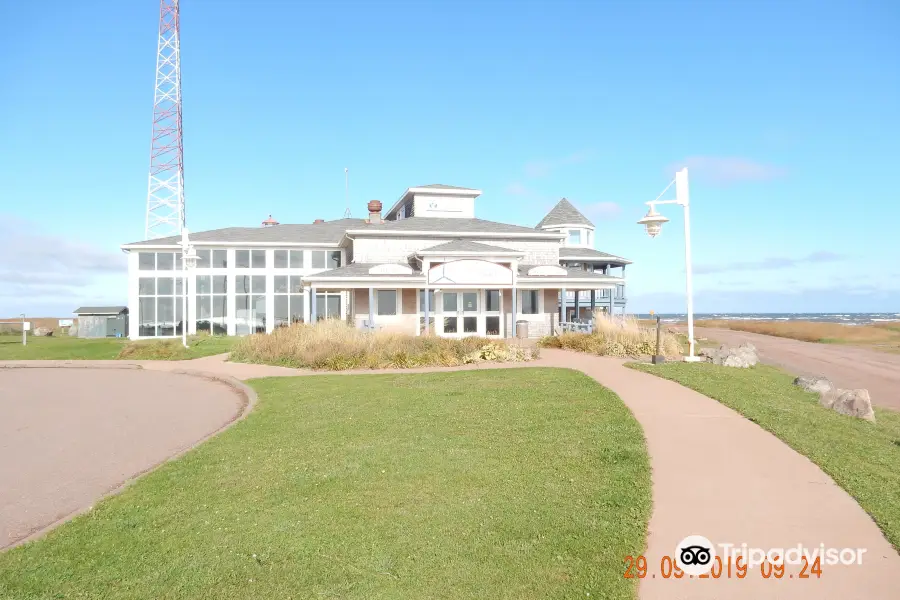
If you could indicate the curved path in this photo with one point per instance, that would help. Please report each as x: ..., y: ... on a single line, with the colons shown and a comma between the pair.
x: 715, y: 474
x: 846, y: 366
x: 70, y: 436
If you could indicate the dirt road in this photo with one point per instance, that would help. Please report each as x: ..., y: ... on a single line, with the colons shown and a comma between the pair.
x: 846, y: 366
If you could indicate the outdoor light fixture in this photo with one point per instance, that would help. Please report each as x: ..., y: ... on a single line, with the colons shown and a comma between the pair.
x: 188, y: 262
x: 653, y: 221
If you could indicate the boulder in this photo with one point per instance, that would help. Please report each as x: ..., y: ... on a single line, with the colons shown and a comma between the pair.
x: 818, y: 385
x: 853, y: 403
x: 742, y: 356
x: 73, y: 330
x: 42, y: 331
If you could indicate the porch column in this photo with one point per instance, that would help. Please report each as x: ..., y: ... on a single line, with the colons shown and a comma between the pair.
x: 562, y: 306
x: 312, y: 304
x: 427, y: 309
x: 577, y: 305
x: 372, y: 308
x: 513, y: 310
x: 612, y: 301
x: 593, y: 302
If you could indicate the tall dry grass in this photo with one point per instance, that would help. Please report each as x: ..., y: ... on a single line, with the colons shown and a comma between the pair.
x: 812, y: 331
x: 333, y: 345
x: 615, y: 336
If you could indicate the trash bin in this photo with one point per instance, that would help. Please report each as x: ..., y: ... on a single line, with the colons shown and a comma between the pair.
x: 522, y: 330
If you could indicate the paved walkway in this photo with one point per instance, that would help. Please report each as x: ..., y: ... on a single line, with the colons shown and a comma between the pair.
x: 715, y: 474
x: 70, y: 436
x: 846, y: 366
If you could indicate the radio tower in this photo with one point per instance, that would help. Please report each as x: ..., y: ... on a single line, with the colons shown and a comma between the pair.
x: 165, y: 190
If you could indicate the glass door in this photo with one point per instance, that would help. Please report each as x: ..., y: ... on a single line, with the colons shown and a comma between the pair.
x: 469, y: 312
x: 460, y: 315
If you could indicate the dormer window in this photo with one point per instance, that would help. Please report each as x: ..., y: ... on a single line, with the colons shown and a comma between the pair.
x: 575, y: 237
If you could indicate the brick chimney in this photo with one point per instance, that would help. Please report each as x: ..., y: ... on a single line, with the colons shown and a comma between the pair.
x: 374, y: 212
x: 318, y: 221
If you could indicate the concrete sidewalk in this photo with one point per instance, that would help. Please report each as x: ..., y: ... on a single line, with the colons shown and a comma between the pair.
x: 715, y: 474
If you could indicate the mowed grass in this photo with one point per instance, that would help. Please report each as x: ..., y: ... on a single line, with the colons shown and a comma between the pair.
x: 880, y: 336
x: 74, y: 348
x: 861, y: 457
x: 520, y: 483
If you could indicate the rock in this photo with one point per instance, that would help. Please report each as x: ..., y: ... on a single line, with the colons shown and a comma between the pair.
x: 853, y: 403
x: 742, y: 356
x: 42, y: 331
x: 819, y: 385
x: 73, y: 330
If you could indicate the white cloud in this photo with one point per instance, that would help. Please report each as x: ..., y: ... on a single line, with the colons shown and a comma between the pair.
x: 725, y: 170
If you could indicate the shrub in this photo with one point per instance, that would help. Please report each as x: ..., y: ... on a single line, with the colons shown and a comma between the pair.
x: 333, y: 345
x: 615, y: 337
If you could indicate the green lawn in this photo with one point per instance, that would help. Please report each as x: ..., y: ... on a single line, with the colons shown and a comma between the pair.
x: 520, y: 483
x: 73, y: 348
x: 863, y: 458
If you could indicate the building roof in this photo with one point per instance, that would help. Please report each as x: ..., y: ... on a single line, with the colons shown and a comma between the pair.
x: 564, y: 213
x: 570, y: 253
x: 329, y: 232
x: 571, y: 272
x: 357, y: 270
x: 460, y: 245
x: 100, y: 310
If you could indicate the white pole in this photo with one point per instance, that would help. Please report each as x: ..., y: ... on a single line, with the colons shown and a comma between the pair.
x: 24, y: 335
x: 184, y: 282
x: 682, y: 195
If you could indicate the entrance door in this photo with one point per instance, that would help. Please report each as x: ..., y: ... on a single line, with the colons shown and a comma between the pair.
x: 460, y: 313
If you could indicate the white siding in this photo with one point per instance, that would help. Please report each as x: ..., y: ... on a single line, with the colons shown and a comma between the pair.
x: 378, y: 249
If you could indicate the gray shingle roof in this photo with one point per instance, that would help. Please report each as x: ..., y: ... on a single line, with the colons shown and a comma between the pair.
x: 444, y: 224
x: 564, y: 213
x: 460, y: 245
x: 354, y: 270
x: 100, y: 310
x: 571, y: 253
x: 329, y: 232
x: 571, y: 272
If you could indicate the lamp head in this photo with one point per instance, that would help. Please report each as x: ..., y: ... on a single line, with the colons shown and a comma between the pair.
x: 653, y: 222
x: 190, y: 258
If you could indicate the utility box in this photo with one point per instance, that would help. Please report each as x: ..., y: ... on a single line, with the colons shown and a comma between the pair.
x: 522, y: 330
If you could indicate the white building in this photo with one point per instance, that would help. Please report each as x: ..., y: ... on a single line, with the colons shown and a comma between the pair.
x: 428, y: 258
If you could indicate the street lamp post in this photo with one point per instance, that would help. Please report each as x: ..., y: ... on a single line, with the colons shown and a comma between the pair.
x: 188, y: 262
x: 24, y: 334
x: 653, y: 222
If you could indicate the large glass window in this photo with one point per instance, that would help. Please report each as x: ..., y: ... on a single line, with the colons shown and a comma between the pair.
x: 250, y: 304
x: 296, y: 259
x: 242, y: 259
x: 288, y: 300
x: 322, y: 259
x: 160, y: 309
x: 159, y: 261
x: 203, y: 259
x: 258, y: 259
x: 318, y: 259
x: 575, y: 236
x: 147, y: 261
x: 280, y: 258
x: 220, y: 259
x: 386, y: 302
x: 212, y: 304
x: 328, y: 305
x: 492, y: 300
x: 529, y: 301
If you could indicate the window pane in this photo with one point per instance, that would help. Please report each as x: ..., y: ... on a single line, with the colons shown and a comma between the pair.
x: 203, y: 284
x: 492, y: 325
x: 470, y: 324
x: 296, y: 308
x: 179, y: 310
x: 165, y: 311
x: 470, y: 301
x: 320, y: 307
x: 242, y: 284
x: 147, y: 262
x: 219, y: 259
x: 450, y: 324
x: 179, y: 290
x: 219, y: 307
x: 492, y: 300
x: 296, y: 259
x: 165, y: 286
x: 242, y: 259
x: 242, y: 315
x: 575, y: 237
x: 165, y: 261
x: 259, y: 314
x: 203, y: 307
x: 282, y: 312
x: 147, y: 316
x: 259, y: 259
x: 281, y: 259
x: 281, y: 284
x: 147, y: 286
x: 296, y: 284
x: 318, y: 259
x: 449, y: 301
x: 431, y: 306
x: 334, y: 259
x: 220, y: 284
x: 529, y: 302
x: 334, y: 306
x: 178, y: 265
x: 259, y: 284
x: 203, y: 259
x: 386, y: 302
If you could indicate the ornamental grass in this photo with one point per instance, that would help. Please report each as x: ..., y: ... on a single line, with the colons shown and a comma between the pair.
x: 622, y: 337
x: 333, y: 345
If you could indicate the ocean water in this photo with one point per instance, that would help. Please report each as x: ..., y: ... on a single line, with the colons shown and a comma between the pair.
x: 845, y: 318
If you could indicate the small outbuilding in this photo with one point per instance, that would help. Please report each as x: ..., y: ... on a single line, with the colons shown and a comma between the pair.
x: 102, y: 321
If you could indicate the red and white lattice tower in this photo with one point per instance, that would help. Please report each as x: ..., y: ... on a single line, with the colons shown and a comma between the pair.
x: 165, y: 191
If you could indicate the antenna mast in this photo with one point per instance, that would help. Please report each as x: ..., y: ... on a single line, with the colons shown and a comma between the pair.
x: 347, y: 192
x: 165, y: 188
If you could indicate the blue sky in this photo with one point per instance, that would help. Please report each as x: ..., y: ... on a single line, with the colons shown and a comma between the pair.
x: 786, y: 114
